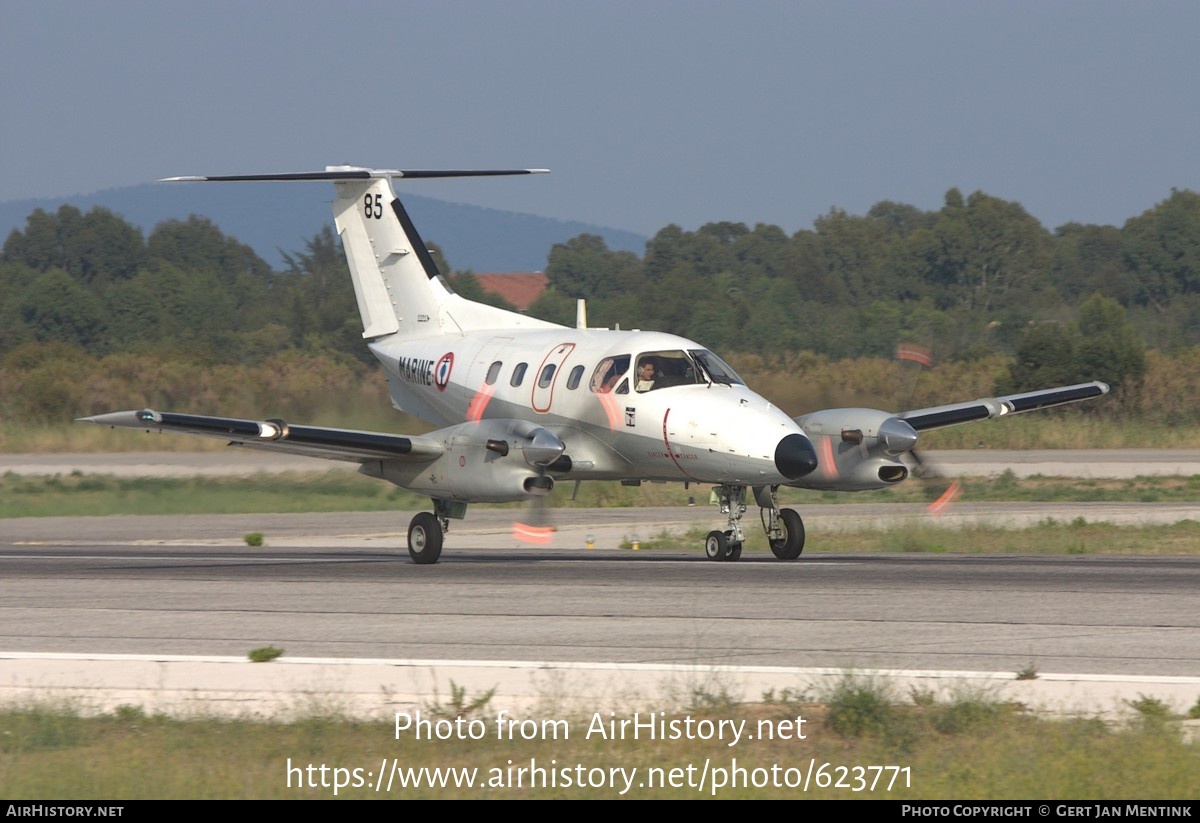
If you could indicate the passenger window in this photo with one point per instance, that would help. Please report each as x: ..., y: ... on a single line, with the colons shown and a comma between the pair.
x: 547, y: 376
x: 519, y: 374
x: 493, y: 373
x: 574, y: 378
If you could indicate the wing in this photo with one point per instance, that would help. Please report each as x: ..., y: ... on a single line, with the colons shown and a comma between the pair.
x: 276, y: 435
x: 989, y: 407
x: 863, y: 448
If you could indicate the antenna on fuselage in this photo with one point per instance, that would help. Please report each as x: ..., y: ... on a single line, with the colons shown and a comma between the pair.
x: 581, y: 314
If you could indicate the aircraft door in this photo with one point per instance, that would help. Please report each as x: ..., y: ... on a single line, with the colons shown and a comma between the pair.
x: 487, y: 354
x: 479, y: 374
x: 547, y: 376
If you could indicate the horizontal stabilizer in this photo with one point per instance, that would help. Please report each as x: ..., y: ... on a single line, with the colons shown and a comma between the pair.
x: 336, y: 173
x: 276, y: 435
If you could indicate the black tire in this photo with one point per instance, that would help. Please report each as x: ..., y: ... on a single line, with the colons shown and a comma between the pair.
x: 735, y: 552
x: 716, y: 546
x: 791, y: 544
x: 424, y: 539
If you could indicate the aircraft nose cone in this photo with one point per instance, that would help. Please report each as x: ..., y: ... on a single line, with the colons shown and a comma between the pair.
x: 794, y: 456
x: 897, y: 436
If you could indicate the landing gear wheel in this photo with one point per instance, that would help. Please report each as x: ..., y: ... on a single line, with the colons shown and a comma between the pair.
x: 791, y: 544
x: 735, y: 552
x: 424, y: 539
x: 716, y: 547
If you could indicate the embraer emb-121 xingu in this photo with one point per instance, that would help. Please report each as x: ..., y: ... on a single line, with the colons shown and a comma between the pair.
x: 525, y: 403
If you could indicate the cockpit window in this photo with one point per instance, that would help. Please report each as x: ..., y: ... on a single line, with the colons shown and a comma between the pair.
x: 608, y: 373
x: 716, y: 369
x: 663, y: 369
x: 673, y: 367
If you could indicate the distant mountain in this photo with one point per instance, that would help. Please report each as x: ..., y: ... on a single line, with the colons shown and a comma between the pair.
x: 274, y: 218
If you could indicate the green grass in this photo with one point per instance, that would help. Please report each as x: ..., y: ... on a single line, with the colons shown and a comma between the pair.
x: 80, y: 494
x: 966, y: 746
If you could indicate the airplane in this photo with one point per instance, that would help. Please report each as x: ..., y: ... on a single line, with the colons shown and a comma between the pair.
x: 524, y: 403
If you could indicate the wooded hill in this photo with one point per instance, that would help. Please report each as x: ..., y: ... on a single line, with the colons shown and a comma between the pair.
x: 980, y: 283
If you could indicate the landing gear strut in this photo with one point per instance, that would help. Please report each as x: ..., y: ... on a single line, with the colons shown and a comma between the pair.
x: 727, y: 545
x: 784, y: 528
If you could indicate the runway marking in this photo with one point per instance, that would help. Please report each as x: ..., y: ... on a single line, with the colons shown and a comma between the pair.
x: 188, y: 558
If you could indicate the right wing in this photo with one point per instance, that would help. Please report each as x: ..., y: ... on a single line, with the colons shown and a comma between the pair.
x: 276, y: 435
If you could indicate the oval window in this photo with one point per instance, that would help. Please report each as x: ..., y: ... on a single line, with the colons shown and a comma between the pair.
x: 493, y: 373
x: 519, y: 374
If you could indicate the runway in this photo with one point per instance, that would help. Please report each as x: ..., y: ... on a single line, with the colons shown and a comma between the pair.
x: 337, y: 592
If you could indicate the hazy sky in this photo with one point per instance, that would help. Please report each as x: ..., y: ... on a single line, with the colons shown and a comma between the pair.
x: 648, y: 112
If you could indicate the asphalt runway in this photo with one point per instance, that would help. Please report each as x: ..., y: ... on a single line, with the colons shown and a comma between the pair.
x: 339, y: 585
x: 95, y: 598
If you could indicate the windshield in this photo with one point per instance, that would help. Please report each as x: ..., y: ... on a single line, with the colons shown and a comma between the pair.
x: 674, y: 367
x: 718, y: 370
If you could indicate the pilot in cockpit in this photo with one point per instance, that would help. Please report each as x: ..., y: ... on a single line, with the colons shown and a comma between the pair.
x: 647, y: 371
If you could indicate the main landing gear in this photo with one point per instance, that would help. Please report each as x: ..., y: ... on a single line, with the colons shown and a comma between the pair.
x: 784, y: 528
x: 427, y: 530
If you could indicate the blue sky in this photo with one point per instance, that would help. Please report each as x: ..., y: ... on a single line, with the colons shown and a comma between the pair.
x: 648, y: 113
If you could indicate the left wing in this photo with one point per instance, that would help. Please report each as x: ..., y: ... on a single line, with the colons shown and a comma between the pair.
x: 861, y: 449
x: 276, y: 435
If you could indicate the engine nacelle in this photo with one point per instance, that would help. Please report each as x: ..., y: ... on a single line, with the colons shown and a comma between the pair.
x: 857, y: 449
x: 492, y: 461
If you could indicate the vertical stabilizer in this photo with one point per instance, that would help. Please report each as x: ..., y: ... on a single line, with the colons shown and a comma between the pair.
x: 392, y: 270
x: 397, y: 284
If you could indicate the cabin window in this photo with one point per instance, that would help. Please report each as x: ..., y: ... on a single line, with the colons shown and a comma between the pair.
x: 547, y: 375
x: 519, y: 374
x: 493, y: 373
x: 608, y: 373
x: 574, y: 378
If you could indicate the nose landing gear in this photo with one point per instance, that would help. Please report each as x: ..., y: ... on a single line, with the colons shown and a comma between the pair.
x: 784, y: 528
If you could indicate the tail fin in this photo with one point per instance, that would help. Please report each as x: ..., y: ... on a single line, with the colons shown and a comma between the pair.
x: 397, y: 284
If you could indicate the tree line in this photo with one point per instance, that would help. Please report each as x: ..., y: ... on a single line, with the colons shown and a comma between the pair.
x: 979, y: 278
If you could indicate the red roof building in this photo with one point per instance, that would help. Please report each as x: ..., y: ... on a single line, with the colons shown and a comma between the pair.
x: 518, y: 288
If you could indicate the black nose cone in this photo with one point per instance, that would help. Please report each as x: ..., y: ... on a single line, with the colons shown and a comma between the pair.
x: 794, y: 456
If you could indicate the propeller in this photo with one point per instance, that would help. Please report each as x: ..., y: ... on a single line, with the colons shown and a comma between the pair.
x: 543, y: 451
x: 940, y: 492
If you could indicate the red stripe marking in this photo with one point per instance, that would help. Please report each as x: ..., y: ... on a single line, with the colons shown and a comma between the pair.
x: 532, y: 534
x: 612, y: 408
x: 479, y: 403
x: 826, y: 444
x: 948, y: 496
x: 671, y: 451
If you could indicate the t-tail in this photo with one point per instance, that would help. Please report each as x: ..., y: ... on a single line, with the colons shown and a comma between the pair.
x: 396, y: 282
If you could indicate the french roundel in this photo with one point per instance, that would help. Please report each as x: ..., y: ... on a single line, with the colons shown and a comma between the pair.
x: 441, y: 373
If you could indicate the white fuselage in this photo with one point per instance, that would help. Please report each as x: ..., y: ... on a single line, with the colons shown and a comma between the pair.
x: 695, y: 430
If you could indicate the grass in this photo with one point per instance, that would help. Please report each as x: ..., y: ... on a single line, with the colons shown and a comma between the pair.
x: 1046, y: 431
x: 334, y: 491
x: 967, y: 745
x: 79, y: 494
x: 265, y: 654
